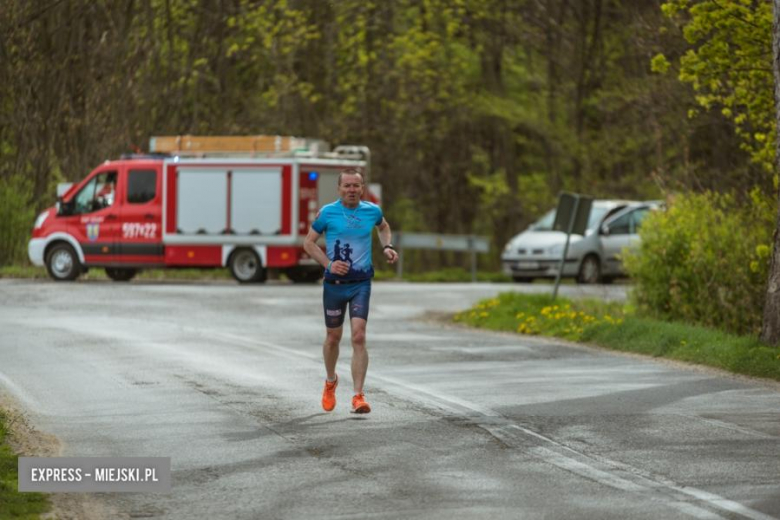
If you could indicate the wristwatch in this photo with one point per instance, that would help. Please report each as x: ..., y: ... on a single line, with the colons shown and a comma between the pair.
x: 388, y: 246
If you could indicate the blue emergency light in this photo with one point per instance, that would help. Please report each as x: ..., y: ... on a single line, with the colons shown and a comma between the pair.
x: 313, y: 176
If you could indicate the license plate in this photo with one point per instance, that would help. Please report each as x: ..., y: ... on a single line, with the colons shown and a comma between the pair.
x: 527, y: 265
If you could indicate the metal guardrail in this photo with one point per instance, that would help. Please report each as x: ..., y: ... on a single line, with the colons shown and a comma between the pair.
x: 464, y: 243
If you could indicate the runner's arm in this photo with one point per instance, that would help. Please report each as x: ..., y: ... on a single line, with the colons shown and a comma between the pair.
x: 385, y: 234
x: 385, y: 238
x: 313, y: 250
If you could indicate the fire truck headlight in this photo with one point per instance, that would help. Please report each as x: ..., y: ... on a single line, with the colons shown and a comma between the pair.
x: 41, y: 219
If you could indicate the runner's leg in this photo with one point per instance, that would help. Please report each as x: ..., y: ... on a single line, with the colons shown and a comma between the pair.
x: 334, y: 304
x: 359, y: 353
x: 330, y: 350
x: 358, y: 314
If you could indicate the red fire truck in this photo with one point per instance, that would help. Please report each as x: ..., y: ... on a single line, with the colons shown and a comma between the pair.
x: 241, y: 202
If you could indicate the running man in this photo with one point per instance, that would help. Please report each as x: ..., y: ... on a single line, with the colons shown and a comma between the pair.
x: 348, y: 222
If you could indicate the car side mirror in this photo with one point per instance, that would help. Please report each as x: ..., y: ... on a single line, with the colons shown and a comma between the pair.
x: 64, y: 208
x: 605, y: 230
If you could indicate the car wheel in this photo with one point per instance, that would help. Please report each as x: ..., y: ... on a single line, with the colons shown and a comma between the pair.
x: 245, y: 266
x: 63, y: 263
x: 121, y: 274
x: 522, y: 279
x: 590, y: 270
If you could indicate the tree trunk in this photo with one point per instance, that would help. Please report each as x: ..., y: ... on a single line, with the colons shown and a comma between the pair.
x: 770, y: 331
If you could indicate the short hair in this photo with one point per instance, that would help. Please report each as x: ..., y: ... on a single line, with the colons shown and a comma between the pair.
x: 351, y: 171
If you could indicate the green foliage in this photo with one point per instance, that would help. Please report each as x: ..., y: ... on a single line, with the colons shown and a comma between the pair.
x: 23, y: 271
x: 265, y: 40
x: 535, y: 194
x: 477, y: 111
x: 405, y: 215
x: 15, y: 505
x: 705, y: 260
x: 494, y: 194
x: 660, y: 64
x: 617, y: 327
x: 741, y: 354
x: 536, y: 314
x: 16, y: 219
x: 729, y: 66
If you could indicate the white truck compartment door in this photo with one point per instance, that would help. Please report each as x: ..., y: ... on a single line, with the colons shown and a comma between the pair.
x: 327, y: 186
x: 201, y: 206
x: 256, y: 201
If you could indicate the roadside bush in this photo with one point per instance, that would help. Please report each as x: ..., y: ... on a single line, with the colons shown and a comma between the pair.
x: 17, y: 216
x: 705, y: 260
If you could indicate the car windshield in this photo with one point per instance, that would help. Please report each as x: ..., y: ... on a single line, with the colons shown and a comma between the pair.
x: 546, y: 222
x: 596, y: 214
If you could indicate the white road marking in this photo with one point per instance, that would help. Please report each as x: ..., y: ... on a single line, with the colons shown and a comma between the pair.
x: 610, y: 473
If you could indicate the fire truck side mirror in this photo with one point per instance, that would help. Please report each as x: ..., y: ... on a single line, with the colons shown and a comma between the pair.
x: 64, y: 208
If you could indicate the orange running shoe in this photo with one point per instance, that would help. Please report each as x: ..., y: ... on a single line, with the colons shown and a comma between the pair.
x: 359, y: 404
x: 329, y: 395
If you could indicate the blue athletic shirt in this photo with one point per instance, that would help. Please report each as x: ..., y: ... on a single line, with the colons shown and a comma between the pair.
x: 348, y: 236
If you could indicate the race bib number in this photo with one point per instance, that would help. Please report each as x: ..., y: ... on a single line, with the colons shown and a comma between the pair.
x: 139, y: 230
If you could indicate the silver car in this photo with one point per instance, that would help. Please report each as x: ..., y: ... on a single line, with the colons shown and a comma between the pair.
x: 593, y: 258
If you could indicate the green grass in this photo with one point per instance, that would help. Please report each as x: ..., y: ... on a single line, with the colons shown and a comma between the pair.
x: 22, y: 271
x: 616, y: 326
x: 12, y: 503
x: 27, y: 271
x: 183, y: 274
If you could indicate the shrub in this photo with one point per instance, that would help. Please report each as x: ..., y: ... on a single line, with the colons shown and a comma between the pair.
x: 705, y: 260
x: 17, y: 215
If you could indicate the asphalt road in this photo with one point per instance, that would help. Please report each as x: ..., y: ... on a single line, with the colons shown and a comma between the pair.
x: 226, y: 381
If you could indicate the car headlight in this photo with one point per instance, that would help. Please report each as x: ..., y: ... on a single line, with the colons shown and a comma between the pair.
x: 41, y: 219
x: 555, y: 250
x: 508, y: 247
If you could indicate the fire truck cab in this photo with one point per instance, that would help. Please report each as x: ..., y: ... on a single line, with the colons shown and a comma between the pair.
x: 241, y: 202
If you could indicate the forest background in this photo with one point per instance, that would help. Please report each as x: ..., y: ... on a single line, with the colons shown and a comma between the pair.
x: 477, y: 112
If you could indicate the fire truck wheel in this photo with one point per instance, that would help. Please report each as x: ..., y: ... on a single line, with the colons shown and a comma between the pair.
x: 63, y: 263
x: 300, y: 274
x: 245, y: 266
x: 121, y: 274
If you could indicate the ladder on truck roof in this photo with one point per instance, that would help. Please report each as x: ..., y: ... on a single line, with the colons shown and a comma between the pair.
x: 254, y: 146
